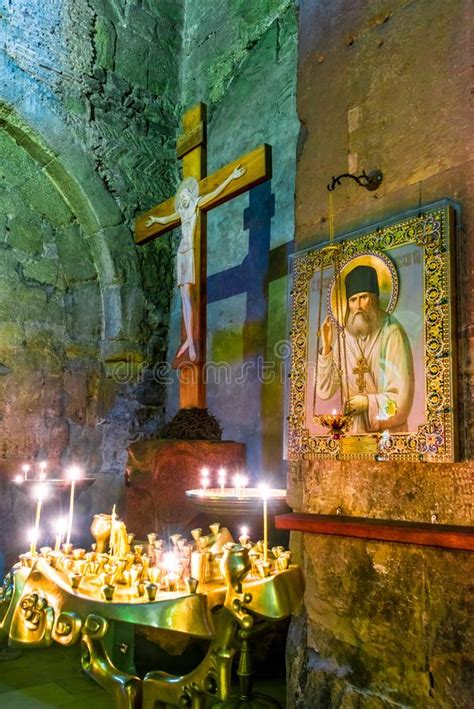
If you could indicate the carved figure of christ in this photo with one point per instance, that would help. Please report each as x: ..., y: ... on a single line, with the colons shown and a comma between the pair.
x: 197, y: 194
x: 187, y: 204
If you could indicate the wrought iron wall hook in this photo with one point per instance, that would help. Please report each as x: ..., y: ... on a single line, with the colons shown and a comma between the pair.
x: 371, y: 181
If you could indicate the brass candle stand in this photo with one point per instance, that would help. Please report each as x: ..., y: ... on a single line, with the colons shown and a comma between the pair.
x: 207, y: 587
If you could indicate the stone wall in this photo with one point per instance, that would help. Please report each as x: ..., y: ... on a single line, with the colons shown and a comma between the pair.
x: 239, y: 58
x: 383, y: 85
x: 89, y: 106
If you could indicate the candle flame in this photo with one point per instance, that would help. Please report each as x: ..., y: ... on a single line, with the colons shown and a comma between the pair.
x: 74, y: 472
x: 60, y: 526
x: 40, y: 492
x: 19, y: 479
x: 170, y: 562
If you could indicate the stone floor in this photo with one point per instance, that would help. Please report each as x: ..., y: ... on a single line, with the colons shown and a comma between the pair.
x: 52, y: 677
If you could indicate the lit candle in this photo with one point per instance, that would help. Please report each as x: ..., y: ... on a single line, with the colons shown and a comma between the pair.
x: 204, y: 480
x: 60, y: 529
x: 238, y: 484
x: 264, y: 492
x: 42, y: 470
x: 171, y: 564
x: 113, y: 535
x: 73, y: 474
x: 19, y: 479
x: 40, y: 492
x: 25, y: 469
x: 222, y: 478
x: 244, y: 536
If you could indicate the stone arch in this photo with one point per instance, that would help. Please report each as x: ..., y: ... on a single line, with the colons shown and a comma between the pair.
x: 108, y: 237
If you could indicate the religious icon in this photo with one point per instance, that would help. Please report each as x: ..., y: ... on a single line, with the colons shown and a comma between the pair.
x: 376, y: 358
x: 187, y: 204
x: 372, y: 340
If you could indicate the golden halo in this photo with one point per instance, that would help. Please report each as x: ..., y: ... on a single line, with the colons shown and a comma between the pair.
x: 387, y: 277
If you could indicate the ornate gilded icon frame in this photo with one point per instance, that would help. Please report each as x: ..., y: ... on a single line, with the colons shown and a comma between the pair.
x: 421, y: 247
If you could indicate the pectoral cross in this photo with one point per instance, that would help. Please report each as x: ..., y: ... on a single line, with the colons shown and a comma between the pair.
x: 360, y: 370
x: 191, y: 149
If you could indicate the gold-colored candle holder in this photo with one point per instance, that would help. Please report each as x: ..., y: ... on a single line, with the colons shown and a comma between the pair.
x: 174, y: 539
x: 151, y: 590
x: 76, y: 580
x: 155, y: 574
x: 283, y: 561
x: 181, y: 543
x: 199, y: 566
x: 171, y: 582
x: 108, y: 590
x: 191, y: 585
x: 196, y: 533
x: 93, y: 568
x: 263, y: 568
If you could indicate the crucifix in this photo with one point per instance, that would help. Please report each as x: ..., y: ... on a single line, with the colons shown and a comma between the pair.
x: 197, y: 194
x: 360, y: 370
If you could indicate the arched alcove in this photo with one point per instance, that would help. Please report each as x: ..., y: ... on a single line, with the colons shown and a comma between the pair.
x: 66, y: 185
x: 71, y: 308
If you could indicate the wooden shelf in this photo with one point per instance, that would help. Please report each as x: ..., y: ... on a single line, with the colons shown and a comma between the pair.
x: 383, y: 530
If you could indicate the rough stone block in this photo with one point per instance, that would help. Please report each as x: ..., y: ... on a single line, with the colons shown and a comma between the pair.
x: 75, y: 256
x: 17, y: 166
x: 25, y: 234
x: 141, y: 21
x: 41, y: 195
x: 84, y: 312
x: 105, y: 40
x: 12, y: 335
x: 46, y: 272
x: 23, y: 303
x: 161, y: 78
x: 132, y: 54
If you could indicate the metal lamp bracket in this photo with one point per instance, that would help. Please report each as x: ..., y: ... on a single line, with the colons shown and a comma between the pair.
x: 370, y: 181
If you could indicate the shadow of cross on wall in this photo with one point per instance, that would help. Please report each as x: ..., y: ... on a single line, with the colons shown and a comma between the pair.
x: 259, y: 268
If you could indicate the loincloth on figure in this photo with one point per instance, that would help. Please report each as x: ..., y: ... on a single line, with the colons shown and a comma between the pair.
x: 185, y: 268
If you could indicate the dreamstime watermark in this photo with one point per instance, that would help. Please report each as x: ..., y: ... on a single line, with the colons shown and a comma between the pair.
x: 257, y: 369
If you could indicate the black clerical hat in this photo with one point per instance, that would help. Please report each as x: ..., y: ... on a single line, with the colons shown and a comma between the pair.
x: 362, y: 279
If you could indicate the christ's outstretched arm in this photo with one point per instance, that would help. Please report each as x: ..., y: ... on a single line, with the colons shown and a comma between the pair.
x: 234, y: 175
x: 161, y: 220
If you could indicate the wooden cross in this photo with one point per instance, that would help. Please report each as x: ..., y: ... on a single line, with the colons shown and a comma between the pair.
x: 360, y: 370
x: 191, y: 149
